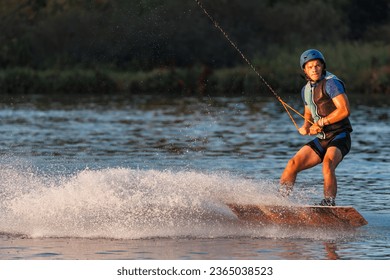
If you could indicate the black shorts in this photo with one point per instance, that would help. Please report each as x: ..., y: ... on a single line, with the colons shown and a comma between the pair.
x: 342, y: 141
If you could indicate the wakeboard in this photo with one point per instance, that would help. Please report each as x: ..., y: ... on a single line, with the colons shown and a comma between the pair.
x: 299, y: 215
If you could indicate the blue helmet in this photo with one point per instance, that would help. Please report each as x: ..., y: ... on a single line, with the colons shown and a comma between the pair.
x: 311, y: 54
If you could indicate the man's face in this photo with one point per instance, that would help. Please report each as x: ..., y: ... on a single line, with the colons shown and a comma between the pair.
x: 313, y: 69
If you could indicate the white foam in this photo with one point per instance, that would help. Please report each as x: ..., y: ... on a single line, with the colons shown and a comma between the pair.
x: 130, y: 204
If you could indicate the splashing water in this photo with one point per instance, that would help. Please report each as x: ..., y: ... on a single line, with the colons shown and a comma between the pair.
x: 125, y: 203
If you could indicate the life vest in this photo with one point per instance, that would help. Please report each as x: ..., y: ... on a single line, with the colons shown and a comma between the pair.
x: 321, y: 105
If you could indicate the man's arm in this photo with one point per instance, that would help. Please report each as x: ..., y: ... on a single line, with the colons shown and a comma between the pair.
x: 341, y: 112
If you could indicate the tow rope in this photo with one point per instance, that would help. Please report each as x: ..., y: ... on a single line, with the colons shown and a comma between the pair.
x: 285, y: 105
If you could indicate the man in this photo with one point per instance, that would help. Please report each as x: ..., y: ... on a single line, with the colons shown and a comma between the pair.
x: 326, y: 116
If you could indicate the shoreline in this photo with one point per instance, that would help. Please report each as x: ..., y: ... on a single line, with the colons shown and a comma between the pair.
x: 191, y: 81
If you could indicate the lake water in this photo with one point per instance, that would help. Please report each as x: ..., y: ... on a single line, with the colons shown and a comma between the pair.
x: 148, y: 177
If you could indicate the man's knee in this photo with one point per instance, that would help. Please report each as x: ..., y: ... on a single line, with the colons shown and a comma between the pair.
x: 292, y: 165
x: 330, y: 164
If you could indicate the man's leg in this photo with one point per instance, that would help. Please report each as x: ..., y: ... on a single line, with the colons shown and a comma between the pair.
x: 332, y: 159
x: 305, y: 158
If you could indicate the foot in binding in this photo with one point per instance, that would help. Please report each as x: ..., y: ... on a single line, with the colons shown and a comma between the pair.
x: 330, y: 201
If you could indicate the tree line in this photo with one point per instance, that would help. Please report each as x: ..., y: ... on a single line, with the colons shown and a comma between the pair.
x: 129, y: 35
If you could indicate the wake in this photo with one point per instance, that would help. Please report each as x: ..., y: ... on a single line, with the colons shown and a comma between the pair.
x: 125, y: 203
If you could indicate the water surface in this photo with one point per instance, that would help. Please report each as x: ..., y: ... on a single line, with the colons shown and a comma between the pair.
x: 148, y: 177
